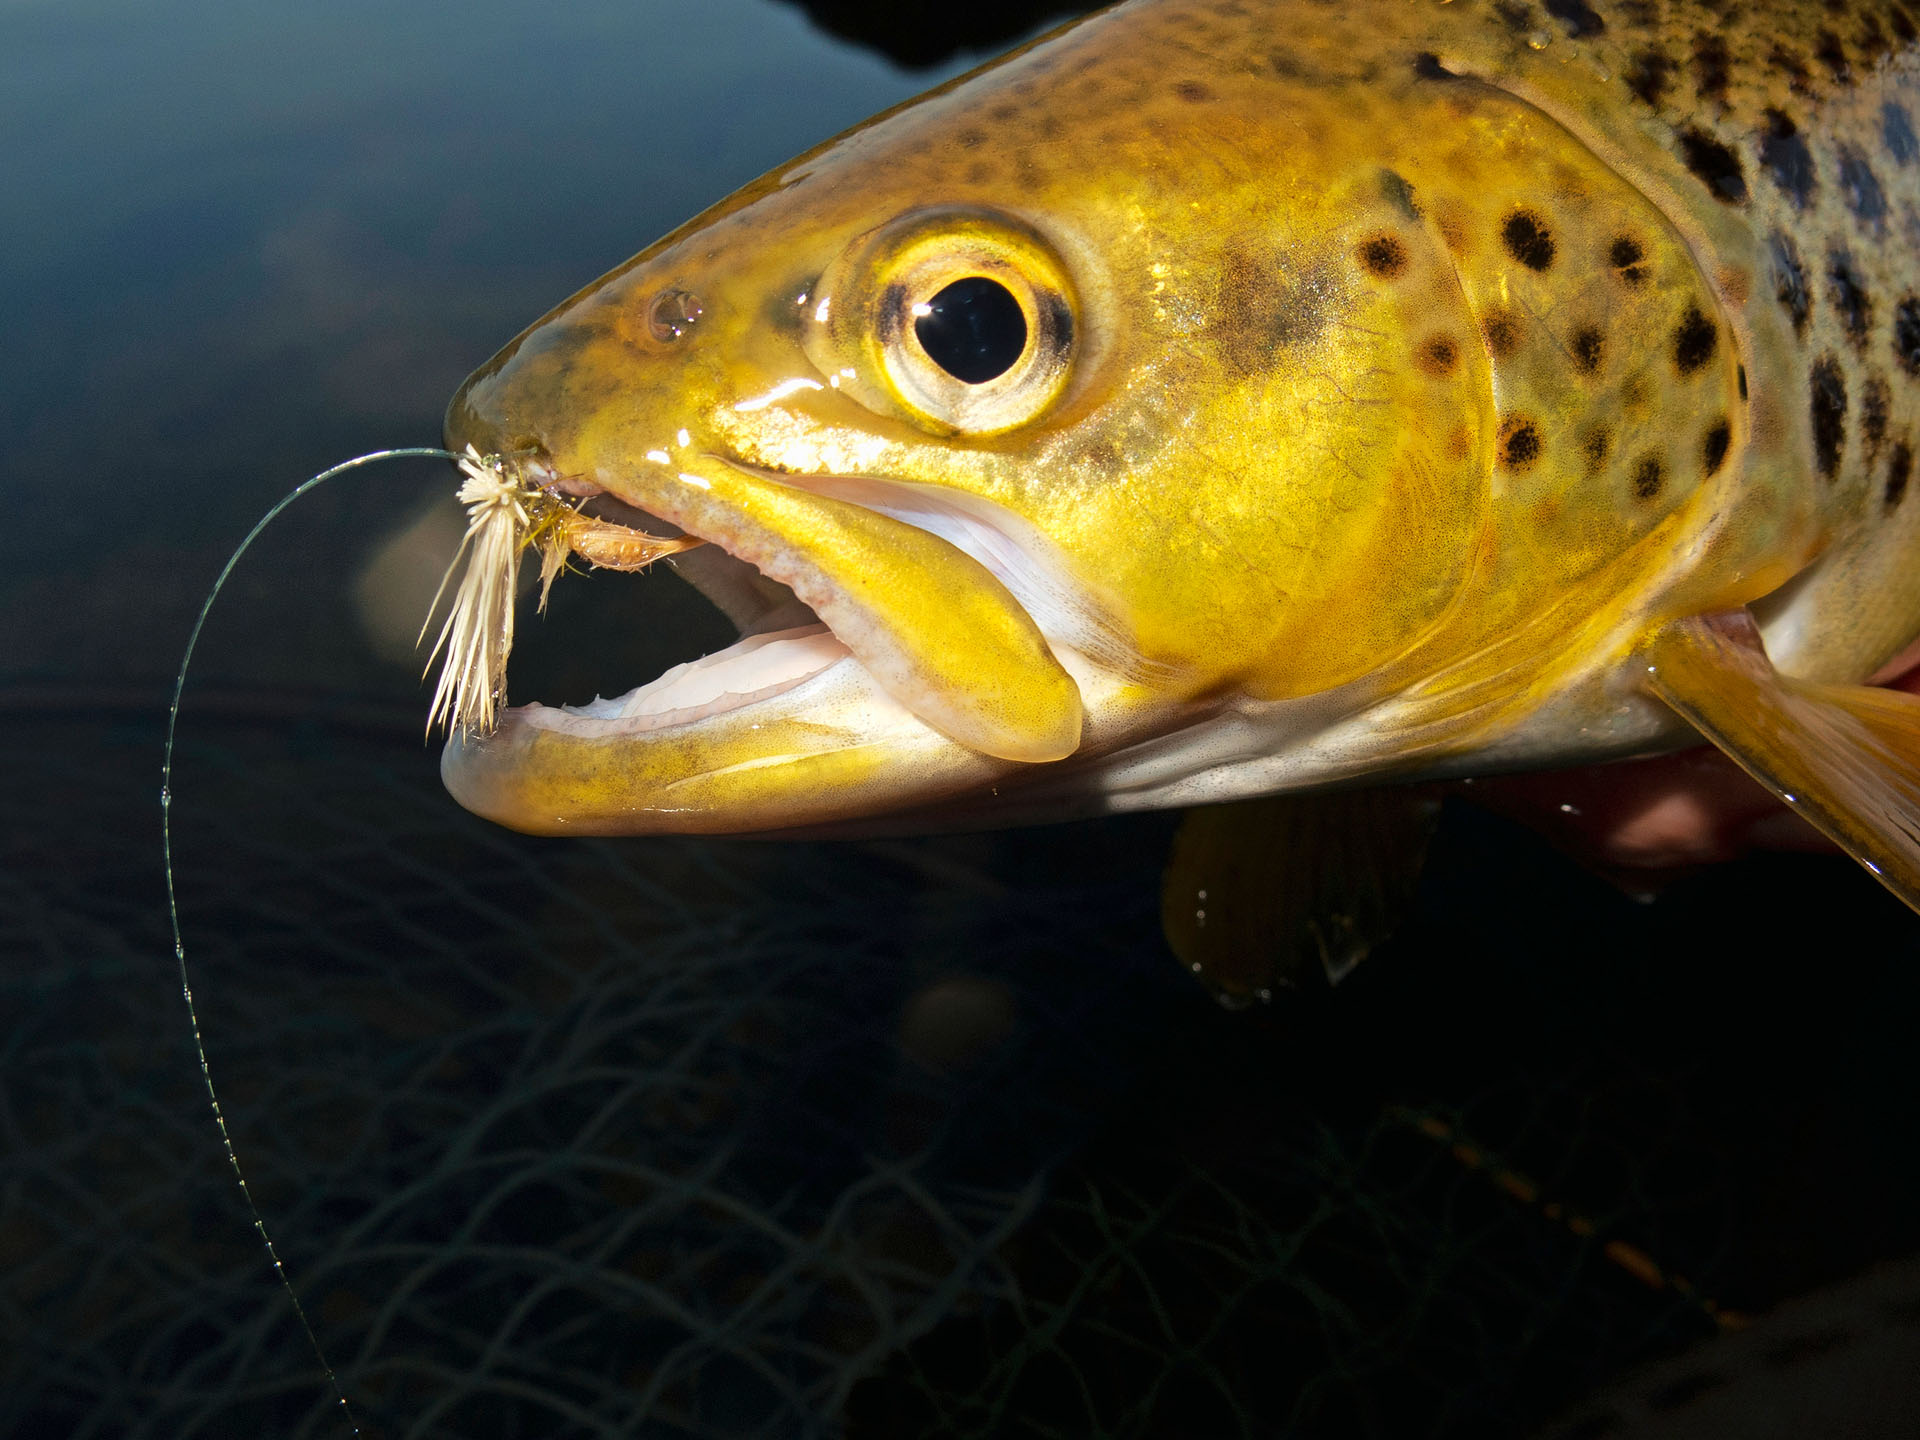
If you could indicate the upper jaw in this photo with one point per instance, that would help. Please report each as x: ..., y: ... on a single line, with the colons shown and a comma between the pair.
x: 938, y: 649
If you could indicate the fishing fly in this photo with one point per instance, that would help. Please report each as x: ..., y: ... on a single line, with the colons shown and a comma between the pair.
x: 508, y: 513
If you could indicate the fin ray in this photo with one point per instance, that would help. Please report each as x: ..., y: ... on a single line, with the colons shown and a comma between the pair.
x: 1845, y: 757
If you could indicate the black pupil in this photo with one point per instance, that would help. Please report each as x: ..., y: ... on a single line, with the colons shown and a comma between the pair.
x: 973, y: 329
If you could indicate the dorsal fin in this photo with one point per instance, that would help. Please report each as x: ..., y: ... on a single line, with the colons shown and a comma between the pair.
x: 1845, y: 757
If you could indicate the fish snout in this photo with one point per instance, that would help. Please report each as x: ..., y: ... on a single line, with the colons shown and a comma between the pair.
x: 620, y: 350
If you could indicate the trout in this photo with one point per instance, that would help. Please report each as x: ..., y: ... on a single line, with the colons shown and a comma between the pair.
x: 1220, y: 399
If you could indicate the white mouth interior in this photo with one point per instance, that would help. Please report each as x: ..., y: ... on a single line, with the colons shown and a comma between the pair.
x: 782, y: 645
x: 756, y: 667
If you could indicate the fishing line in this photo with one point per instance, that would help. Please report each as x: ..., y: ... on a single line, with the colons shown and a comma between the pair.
x: 423, y: 452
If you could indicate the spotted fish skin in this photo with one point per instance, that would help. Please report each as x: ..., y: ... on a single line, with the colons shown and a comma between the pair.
x: 1781, y: 140
x: 1418, y: 364
x: 1687, y: 241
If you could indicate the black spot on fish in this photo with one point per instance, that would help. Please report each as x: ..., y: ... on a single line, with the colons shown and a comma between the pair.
x: 1832, y: 54
x: 1649, y: 74
x: 1902, y: 24
x: 1790, y: 279
x: 1528, y: 240
x: 1694, y: 341
x: 1628, y: 259
x: 1717, y: 167
x: 1906, y: 335
x: 1710, y: 66
x: 1848, y: 291
x: 1649, y: 474
x: 1384, y: 255
x: 1861, y: 187
x: 1787, y: 63
x: 1740, y: 378
x: 1597, y: 445
x: 1899, y: 471
x: 1827, y: 403
x: 1872, y: 41
x: 1587, y: 346
x: 1193, y: 92
x: 1398, y: 193
x: 1288, y: 67
x: 1515, y: 16
x: 1875, y: 403
x: 1713, y: 449
x: 1503, y: 335
x: 1896, y: 128
x: 1579, y: 17
x: 1519, y: 442
x: 1437, y: 355
x: 1427, y: 66
x: 1783, y: 150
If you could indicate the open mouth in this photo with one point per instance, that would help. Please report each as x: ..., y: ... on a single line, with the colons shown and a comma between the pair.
x: 783, y: 641
x: 896, y: 642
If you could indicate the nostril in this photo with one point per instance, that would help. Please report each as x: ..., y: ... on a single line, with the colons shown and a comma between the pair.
x: 671, y: 313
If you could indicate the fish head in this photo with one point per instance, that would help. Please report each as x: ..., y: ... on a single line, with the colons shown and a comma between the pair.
x: 1027, y: 439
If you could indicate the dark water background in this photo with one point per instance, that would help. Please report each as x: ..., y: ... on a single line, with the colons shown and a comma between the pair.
x: 709, y: 1138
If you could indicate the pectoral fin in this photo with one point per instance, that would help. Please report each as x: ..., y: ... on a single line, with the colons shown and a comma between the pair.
x: 1845, y: 757
x: 1292, y: 889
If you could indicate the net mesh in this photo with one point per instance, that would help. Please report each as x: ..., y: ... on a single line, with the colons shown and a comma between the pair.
x: 709, y: 1138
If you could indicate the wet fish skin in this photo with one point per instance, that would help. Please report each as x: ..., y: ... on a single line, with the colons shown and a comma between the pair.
x: 1423, y: 362
x: 1781, y: 140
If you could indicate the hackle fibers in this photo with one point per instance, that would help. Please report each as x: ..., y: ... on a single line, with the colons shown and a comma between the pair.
x: 503, y: 515
x: 506, y: 514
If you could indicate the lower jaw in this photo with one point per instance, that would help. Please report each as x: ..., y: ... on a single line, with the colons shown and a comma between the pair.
x: 829, y: 749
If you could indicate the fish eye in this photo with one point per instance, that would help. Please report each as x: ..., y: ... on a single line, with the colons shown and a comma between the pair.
x: 973, y: 329
x: 958, y: 319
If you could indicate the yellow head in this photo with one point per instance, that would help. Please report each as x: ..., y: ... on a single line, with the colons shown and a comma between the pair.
x: 1119, y: 413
